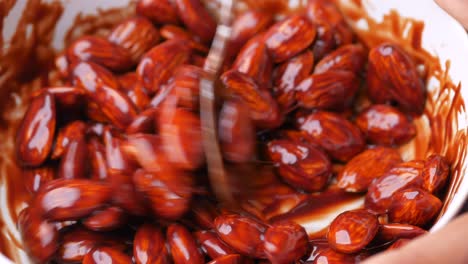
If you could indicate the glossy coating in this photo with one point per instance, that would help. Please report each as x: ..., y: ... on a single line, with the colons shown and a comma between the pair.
x: 106, y: 255
x: 286, y: 242
x: 73, y: 164
x: 350, y: 57
x: 435, y: 173
x: 37, y: 177
x: 184, y: 248
x: 329, y: 256
x: 212, y: 245
x: 196, y: 18
x: 72, y: 131
x: 106, y: 219
x: 149, y: 246
x: 158, y: 11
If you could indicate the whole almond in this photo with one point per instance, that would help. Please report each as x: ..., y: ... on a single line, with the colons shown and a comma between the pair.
x: 289, y: 37
x: 106, y: 219
x: 385, y: 125
x: 368, y: 165
x: 137, y: 35
x: 392, y: 75
x: 175, y: 32
x: 351, y: 231
x: 102, y: 89
x: 158, y: 11
x: 35, y: 135
x: 286, y: 242
x: 65, y: 199
x: 149, y: 246
x: 401, y: 176
x: 413, y: 206
x: 97, y: 156
x: 330, y: 90
x: 186, y: 86
x: 184, y: 248
x: 435, y: 173
x: 196, y: 18
x: 336, y: 135
x: 158, y: 65
x: 290, y: 74
x: 243, y: 234
x: 73, y: 164
x: 100, y: 51
x: 346, y: 58
x: 212, y: 245
x: 302, y: 166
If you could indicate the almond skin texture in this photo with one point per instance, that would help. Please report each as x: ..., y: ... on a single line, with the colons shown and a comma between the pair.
x: 288, y: 75
x: 39, y: 236
x: 149, y: 246
x: 63, y: 199
x: 392, y: 75
x: 196, y: 18
x: 286, y: 242
x: 184, y: 248
x: 36, y: 132
x: 347, y: 58
x: 351, y: 231
x: 385, y: 125
x: 100, y: 51
x: 243, y: 234
x: 254, y: 61
x: 289, y: 37
x: 264, y: 110
x: 158, y: 11
x: 236, y: 132
x: 330, y: 256
x: 413, y: 206
x: 435, y: 173
x: 401, y: 176
x: 102, y: 87
x: 105, y: 254
x: 158, y: 65
x: 300, y: 165
x: 336, y: 135
x: 330, y: 90
x: 212, y: 245
x: 368, y: 165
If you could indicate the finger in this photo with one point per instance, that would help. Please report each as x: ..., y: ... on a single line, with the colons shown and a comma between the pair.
x: 447, y: 245
x: 457, y: 8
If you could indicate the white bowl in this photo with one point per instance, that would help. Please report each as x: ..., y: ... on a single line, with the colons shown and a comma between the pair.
x: 442, y: 37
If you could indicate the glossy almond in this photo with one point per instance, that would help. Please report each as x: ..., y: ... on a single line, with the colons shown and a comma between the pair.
x: 64, y: 199
x: 102, y: 89
x: 368, y: 165
x: 116, y: 158
x: 392, y: 75
x: 346, y: 58
x: 186, y: 86
x: 264, y: 111
x: 290, y: 74
x: 245, y: 26
x: 74, y: 162
x: 137, y: 35
x: 181, y: 138
x: 35, y: 135
x: 336, y: 135
x: 196, y: 18
x: 124, y: 193
x: 143, y: 122
x: 145, y: 149
x: 331, y: 90
x: 106, y: 219
x: 101, y: 255
x: 242, y: 233
x: 236, y: 132
x: 159, y: 63
x: 289, y: 37
x: 158, y: 11
x: 100, y: 51
x: 302, y: 166
x: 254, y: 61
x: 212, y: 245
x: 97, y: 159
x: 330, y: 256
x: 184, y: 248
x: 351, y: 231
x: 392, y: 232
x: 168, y: 192
x: 286, y: 242
x: 435, y: 173
x: 324, y: 41
x: 413, y: 206
x: 401, y: 176
x: 229, y: 259
x: 385, y: 125
x: 36, y: 177
x: 72, y: 131
x: 176, y: 32
x: 40, y: 237
x: 149, y: 246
